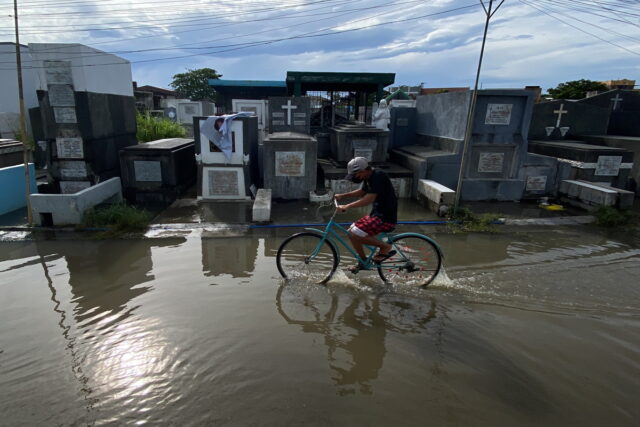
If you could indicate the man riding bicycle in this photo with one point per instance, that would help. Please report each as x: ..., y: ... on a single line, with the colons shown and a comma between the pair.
x: 376, y: 190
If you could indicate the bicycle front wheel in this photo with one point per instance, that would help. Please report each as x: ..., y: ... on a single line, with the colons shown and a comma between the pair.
x: 416, y: 263
x: 306, y: 256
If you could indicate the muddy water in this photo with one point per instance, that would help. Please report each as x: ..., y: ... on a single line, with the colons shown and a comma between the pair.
x: 533, y: 327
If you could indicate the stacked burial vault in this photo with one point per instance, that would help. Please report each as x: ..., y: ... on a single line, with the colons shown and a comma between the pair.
x: 87, y: 113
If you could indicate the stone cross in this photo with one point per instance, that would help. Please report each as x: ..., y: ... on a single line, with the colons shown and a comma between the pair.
x: 615, y: 101
x: 289, y: 107
x: 560, y: 112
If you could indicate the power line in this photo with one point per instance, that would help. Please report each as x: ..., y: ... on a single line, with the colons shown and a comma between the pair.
x: 266, y: 42
x: 579, y: 29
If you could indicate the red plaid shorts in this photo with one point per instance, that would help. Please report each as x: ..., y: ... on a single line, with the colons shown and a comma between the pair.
x: 370, y: 226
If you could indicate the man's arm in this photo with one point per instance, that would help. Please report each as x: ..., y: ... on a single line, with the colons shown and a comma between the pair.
x: 365, y: 201
x: 352, y: 194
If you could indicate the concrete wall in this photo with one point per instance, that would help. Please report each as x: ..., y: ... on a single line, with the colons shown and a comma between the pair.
x: 443, y: 114
x: 67, y: 209
x: 12, y: 196
x: 9, y: 88
x: 93, y: 70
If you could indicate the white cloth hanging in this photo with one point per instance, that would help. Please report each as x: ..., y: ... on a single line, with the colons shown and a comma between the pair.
x: 221, y: 137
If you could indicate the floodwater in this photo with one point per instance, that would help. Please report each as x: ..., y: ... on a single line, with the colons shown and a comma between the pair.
x: 526, y: 327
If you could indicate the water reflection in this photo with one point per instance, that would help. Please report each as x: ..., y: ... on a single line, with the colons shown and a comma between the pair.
x: 354, y: 327
x: 233, y: 256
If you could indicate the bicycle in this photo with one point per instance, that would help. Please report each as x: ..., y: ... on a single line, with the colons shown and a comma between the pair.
x: 418, y: 258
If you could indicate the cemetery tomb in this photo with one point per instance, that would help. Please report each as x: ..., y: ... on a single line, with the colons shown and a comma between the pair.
x: 256, y: 106
x: 629, y: 143
x: 87, y: 113
x: 580, y: 161
x: 289, y: 114
x: 402, y: 127
x: 158, y: 171
x: 623, y: 107
x: 11, y: 153
x: 497, y: 153
x: 354, y: 139
x: 228, y: 176
x: 564, y: 119
x: 290, y: 163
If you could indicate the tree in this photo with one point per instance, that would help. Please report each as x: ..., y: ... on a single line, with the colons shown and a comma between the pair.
x: 194, y: 84
x: 576, y: 89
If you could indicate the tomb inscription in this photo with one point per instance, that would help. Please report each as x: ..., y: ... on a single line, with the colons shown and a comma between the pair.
x: 608, y: 165
x: 71, y: 187
x: 70, y: 169
x: 70, y: 148
x: 536, y: 183
x: 58, y: 72
x: 498, y: 114
x: 61, y: 96
x: 65, y: 115
x: 290, y: 163
x: 147, y: 171
x: 223, y: 183
x: 490, y: 162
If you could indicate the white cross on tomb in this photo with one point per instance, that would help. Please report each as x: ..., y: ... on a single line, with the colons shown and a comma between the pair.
x: 560, y: 112
x: 615, y: 101
x: 289, y: 107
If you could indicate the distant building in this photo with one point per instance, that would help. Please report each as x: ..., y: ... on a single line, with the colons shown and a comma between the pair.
x: 150, y: 97
x: 620, y: 84
x: 436, y: 90
x: 412, y: 91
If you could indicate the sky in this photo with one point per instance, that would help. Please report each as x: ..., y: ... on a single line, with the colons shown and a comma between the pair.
x: 437, y: 42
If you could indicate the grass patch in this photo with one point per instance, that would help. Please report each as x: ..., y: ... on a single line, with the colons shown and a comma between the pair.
x: 610, y: 217
x: 464, y: 220
x: 154, y: 128
x: 118, y: 219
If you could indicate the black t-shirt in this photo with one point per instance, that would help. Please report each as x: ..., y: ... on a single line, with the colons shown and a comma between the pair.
x: 385, y: 206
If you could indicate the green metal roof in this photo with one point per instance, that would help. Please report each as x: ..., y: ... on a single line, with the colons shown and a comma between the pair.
x: 327, y: 81
x: 399, y: 94
x: 246, y: 83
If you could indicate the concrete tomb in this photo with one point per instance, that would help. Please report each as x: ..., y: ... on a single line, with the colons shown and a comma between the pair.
x: 623, y: 108
x: 565, y: 119
x: 355, y: 139
x: 498, y: 166
x: 158, y: 171
x: 87, y: 112
x: 402, y: 129
x: 580, y: 161
x: 11, y: 152
x: 68, y: 209
x: 588, y: 195
x: 256, y: 106
x: 290, y: 163
x: 228, y: 174
x: 289, y: 114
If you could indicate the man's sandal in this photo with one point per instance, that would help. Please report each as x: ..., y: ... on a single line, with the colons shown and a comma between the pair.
x: 356, y: 268
x: 379, y: 258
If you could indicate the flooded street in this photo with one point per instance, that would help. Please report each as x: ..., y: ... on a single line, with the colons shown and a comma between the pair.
x: 527, y: 326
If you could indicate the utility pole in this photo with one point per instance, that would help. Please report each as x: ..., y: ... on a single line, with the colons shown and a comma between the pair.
x: 489, y: 12
x: 23, y: 123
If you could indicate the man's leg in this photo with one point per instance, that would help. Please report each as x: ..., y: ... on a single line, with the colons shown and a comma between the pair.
x: 359, y: 241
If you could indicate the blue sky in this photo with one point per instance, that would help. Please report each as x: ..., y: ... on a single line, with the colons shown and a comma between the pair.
x: 531, y: 42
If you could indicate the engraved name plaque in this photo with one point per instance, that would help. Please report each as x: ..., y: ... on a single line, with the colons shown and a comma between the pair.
x: 65, y: 114
x: 147, y: 171
x: 70, y: 169
x: 536, y: 183
x: 498, y: 114
x: 608, y: 165
x: 290, y: 163
x: 491, y: 162
x: 58, y: 72
x: 61, y: 96
x: 69, y: 148
x: 223, y: 183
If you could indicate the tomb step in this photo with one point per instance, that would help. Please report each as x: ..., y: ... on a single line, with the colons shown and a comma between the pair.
x: 435, y: 196
x: 261, y: 211
x: 588, y: 195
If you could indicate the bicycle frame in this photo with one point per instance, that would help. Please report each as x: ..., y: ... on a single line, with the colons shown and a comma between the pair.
x: 329, y: 234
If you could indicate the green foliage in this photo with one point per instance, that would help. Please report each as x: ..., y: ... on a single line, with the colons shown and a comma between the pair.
x: 194, y: 84
x: 29, y: 142
x: 465, y: 220
x: 607, y: 216
x: 154, y: 128
x: 118, y: 218
x: 576, y: 89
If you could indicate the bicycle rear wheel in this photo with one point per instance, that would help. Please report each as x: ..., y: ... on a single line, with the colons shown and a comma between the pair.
x: 306, y: 256
x: 417, y: 261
